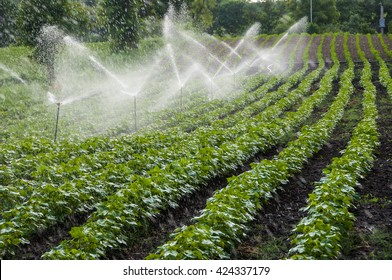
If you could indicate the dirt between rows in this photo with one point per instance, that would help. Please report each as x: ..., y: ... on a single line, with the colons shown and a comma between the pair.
x: 371, y: 236
x: 269, y: 236
x: 269, y: 233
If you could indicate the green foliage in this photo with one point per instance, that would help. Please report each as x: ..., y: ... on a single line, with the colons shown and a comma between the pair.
x: 223, y: 222
x: 230, y: 18
x: 159, y: 8
x: 69, y: 16
x: 235, y: 17
x: 201, y: 11
x: 324, y: 14
x: 8, y: 12
x: 79, y: 19
x: 123, y: 21
x: 35, y: 14
x: 319, y: 234
x: 125, y: 182
x: 360, y: 16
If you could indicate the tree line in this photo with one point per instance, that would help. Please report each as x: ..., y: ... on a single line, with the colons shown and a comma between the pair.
x: 125, y: 22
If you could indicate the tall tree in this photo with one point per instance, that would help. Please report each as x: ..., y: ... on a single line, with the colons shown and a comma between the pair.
x: 34, y: 14
x: 362, y: 16
x: 159, y: 8
x: 8, y: 14
x: 324, y: 12
x: 202, y: 12
x: 230, y: 18
x: 123, y: 21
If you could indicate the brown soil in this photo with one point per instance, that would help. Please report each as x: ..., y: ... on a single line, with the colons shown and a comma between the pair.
x: 301, y: 48
x: 377, y: 45
x: 339, y: 46
x: 275, y: 221
x: 353, y: 48
x: 269, y: 237
x: 313, y: 50
x: 364, y: 43
x: 373, y: 208
x: 388, y: 42
x: 327, y: 49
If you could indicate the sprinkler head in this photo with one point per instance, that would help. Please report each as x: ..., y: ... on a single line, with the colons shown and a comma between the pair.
x: 128, y: 93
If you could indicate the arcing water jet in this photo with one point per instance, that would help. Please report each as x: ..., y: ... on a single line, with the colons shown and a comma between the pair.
x: 12, y: 73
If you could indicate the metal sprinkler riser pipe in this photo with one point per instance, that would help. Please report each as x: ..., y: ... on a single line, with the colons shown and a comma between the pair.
x: 134, y: 106
x: 57, y: 121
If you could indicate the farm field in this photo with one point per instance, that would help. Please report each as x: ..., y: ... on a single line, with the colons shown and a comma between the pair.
x: 266, y: 164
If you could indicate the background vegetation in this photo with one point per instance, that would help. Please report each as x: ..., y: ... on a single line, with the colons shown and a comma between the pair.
x: 125, y: 22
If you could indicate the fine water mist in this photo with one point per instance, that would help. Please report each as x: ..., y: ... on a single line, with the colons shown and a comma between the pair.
x: 12, y: 73
x: 101, y: 96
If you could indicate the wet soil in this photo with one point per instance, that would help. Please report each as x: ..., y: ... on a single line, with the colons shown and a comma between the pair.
x: 300, y: 49
x: 165, y: 224
x: 377, y: 45
x: 388, y: 42
x: 191, y: 206
x: 351, y: 43
x: 371, y: 237
x: 339, y: 46
x: 364, y: 43
x: 269, y: 237
x: 269, y: 233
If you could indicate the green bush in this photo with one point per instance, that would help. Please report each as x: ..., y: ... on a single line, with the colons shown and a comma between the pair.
x: 72, y: 17
x: 7, y: 22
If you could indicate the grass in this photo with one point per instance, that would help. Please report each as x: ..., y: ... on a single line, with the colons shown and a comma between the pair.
x: 268, y: 247
x: 368, y: 244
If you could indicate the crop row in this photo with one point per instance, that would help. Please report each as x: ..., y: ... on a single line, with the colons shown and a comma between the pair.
x: 35, y: 147
x: 126, y: 155
x: 187, y: 121
x: 190, y: 119
x: 49, y: 204
x: 224, y: 220
x: 132, y: 207
x: 319, y: 234
x: 384, y: 46
x: 384, y: 75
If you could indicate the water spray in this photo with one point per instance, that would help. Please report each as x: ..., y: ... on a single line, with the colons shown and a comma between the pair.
x: 222, y: 65
x: 299, y: 26
x: 53, y: 100
x: 181, y: 98
x: 134, y: 106
x: 203, y: 72
x: 211, y: 90
x: 109, y: 73
x: 12, y: 73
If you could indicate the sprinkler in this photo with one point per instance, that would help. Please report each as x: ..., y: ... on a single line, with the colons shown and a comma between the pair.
x: 181, y: 98
x: 134, y: 105
x: 57, y: 121
x: 211, y: 90
x: 53, y: 100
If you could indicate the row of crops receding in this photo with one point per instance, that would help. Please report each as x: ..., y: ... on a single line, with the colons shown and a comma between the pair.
x: 99, y: 193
